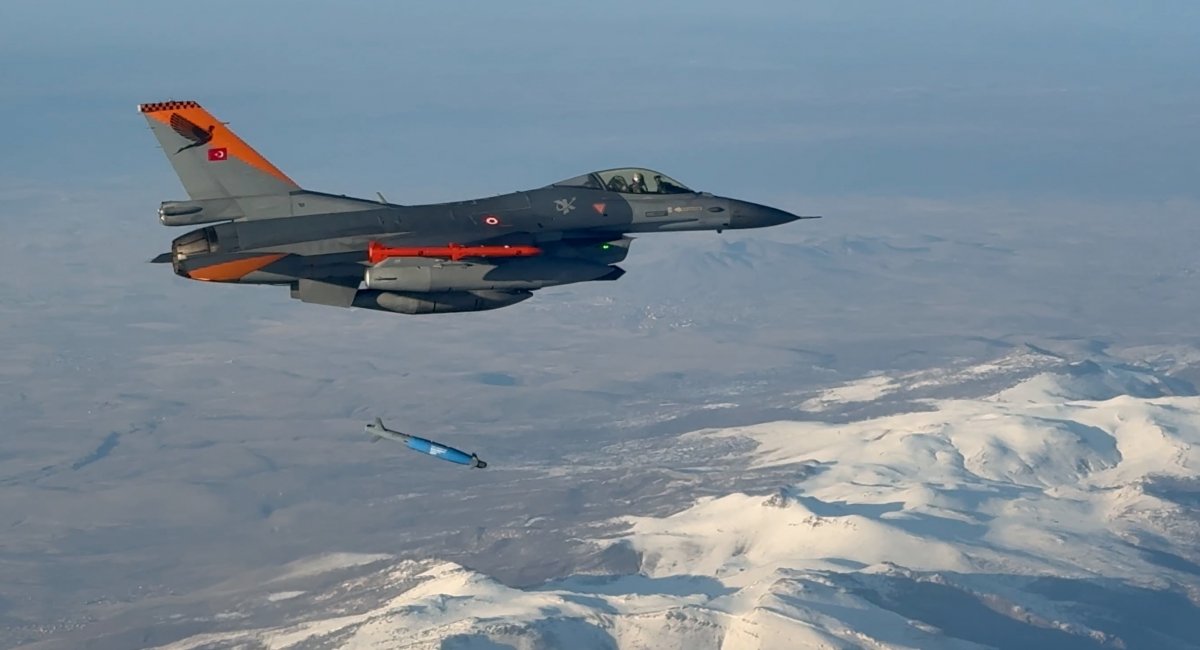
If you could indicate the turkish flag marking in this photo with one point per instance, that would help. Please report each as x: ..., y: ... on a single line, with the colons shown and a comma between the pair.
x: 598, y: 207
x: 218, y: 153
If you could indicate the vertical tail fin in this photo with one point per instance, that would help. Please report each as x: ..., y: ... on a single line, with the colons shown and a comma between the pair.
x: 212, y: 162
x: 375, y: 437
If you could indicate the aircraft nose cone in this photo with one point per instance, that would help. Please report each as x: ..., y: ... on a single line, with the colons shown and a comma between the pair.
x: 753, y: 215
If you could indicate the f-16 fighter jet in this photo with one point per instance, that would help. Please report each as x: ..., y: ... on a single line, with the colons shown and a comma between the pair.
x: 411, y: 259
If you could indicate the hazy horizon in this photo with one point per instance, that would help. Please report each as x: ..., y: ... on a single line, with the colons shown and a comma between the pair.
x: 434, y: 102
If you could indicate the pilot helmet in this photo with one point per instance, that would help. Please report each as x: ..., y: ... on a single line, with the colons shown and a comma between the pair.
x: 637, y: 177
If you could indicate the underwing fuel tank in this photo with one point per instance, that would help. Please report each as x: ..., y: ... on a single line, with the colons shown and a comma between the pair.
x: 402, y: 274
x: 424, y: 445
x: 442, y: 302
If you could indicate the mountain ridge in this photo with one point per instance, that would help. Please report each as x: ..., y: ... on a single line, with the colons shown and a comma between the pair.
x: 1059, y: 511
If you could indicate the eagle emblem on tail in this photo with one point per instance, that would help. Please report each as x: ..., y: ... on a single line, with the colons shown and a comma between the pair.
x: 191, y: 131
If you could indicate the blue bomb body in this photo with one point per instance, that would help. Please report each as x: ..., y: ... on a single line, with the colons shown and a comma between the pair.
x: 425, y: 445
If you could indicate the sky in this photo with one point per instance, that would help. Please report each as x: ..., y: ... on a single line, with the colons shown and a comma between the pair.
x: 430, y: 101
x: 992, y: 174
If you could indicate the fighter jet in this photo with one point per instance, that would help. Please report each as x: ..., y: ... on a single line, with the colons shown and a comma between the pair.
x: 463, y: 256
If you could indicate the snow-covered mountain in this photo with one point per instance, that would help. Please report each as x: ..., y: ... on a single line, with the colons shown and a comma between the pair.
x: 1060, y: 512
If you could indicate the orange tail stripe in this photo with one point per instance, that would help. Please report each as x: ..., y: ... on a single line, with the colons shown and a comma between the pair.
x: 222, y: 137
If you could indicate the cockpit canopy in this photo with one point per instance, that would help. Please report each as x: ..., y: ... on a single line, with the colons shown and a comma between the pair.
x: 628, y: 180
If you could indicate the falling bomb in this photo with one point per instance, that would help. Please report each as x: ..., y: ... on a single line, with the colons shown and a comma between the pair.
x: 424, y: 445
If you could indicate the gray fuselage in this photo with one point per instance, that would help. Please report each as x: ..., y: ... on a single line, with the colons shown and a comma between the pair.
x: 579, y: 231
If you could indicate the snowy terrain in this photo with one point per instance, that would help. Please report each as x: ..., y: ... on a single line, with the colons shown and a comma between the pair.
x: 169, y: 448
x: 1061, y: 511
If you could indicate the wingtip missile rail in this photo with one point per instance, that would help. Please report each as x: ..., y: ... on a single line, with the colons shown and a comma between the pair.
x: 424, y: 445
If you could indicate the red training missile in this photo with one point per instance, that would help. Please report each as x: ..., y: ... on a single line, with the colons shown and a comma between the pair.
x: 377, y: 252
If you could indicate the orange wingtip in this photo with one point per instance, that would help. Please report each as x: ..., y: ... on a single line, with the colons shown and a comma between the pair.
x: 166, y: 106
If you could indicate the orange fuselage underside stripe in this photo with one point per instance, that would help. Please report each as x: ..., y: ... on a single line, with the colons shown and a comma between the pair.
x: 234, y: 270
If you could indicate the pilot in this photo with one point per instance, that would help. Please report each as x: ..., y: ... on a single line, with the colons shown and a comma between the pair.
x: 638, y: 185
